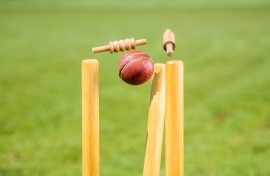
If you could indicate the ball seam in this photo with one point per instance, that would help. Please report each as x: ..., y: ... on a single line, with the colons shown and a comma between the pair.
x: 128, y: 64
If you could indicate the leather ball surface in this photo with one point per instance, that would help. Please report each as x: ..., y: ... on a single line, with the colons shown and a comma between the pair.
x: 135, y: 67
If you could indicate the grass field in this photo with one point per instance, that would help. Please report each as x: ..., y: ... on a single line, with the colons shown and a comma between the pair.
x: 227, y: 98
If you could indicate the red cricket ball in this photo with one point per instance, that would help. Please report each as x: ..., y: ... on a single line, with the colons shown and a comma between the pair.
x: 135, y: 67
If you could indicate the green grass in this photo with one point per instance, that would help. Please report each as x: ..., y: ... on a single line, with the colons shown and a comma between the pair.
x: 139, y: 4
x: 227, y: 98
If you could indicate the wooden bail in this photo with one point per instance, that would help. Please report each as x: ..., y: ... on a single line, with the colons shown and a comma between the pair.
x: 168, y: 42
x: 120, y: 45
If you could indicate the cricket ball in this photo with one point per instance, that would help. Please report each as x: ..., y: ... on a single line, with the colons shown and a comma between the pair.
x: 135, y: 67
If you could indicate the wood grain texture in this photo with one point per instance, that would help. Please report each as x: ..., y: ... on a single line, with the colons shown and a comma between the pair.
x: 90, y: 117
x: 174, y: 119
x: 155, y: 123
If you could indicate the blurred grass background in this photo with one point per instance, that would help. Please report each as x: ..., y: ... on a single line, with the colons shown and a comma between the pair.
x: 224, y: 44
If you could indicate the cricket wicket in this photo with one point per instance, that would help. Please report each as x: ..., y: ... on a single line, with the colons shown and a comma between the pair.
x: 166, y: 100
